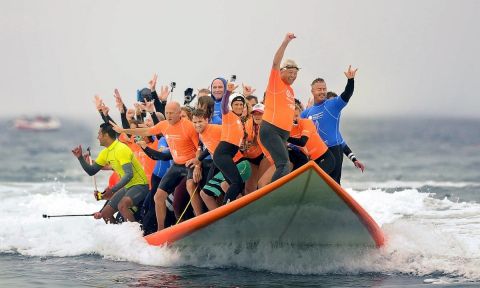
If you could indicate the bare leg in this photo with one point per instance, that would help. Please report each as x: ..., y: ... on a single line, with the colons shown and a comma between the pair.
x: 160, y: 208
x: 266, y: 177
x: 195, y: 198
x: 123, y: 207
x: 107, y: 214
x: 264, y: 165
x: 252, y: 182
x: 210, y: 201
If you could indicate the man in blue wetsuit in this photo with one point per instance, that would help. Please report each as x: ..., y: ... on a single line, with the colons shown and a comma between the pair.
x: 326, y: 116
x: 218, y: 89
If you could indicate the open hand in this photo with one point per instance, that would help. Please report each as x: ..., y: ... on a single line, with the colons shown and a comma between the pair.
x: 118, y: 100
x: 231, y: 87
x: 247, y: 90
x: 164, y: 92
x: 350, y: 72
x: 98, y: 102
x: 115, y: 127
x: 153, y: 82
x: 192, y: 162
x: 359, y: 165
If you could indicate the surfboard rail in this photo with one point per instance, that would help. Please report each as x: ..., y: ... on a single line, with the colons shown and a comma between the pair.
x: 174, y: 233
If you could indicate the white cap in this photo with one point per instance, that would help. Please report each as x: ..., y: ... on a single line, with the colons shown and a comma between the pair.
x: 258, y: 108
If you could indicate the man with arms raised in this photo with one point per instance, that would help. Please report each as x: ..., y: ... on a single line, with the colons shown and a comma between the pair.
x: 325, y: 113
x: 279, y: 108
x: 183, y: 142
x: 133, y: 185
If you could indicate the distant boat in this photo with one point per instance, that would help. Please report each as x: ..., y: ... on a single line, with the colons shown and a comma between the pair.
x: 39, y: 123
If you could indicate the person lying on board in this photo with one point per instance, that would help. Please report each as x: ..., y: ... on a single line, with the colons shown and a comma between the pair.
x: 346, y: 149
x: 133, y: 185
x: 325, y: 113
x: 183, y: 142
x: 279, y: 108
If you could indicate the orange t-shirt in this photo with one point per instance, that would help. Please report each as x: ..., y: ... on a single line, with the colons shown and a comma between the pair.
x: 182, y: 139
x: 210, y: 137
x: 315, y: 146
x: 254, y: 151
x: 279, y: 102
x: 232, y: 129
x: 147, y: 163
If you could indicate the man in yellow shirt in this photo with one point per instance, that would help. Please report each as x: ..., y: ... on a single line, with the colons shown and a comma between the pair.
x: 133, y: 185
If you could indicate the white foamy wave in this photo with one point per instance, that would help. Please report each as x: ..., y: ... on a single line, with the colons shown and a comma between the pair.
x: 425, y: 236
x: 409, y: 184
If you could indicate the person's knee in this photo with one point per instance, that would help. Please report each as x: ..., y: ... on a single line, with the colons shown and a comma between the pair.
x: 190, y: 186
x: 125, y: 203
x: 160, y: 196
x: 205, y: 196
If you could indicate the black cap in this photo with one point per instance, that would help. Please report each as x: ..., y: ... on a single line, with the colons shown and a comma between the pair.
x: 238, y: 98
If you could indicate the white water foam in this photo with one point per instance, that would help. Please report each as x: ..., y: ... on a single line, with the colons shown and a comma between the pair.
x: 426, y: 236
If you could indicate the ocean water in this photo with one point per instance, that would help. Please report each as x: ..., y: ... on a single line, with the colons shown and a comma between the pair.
x: 421, y: 185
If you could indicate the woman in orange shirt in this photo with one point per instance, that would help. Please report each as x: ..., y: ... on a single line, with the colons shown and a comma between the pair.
x: 253, y: 152
x: 233, y: 134
x: 304, y: 134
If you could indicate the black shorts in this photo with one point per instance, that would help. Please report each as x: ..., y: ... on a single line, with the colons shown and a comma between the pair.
x: 206, y: 166
x: 173, y: 177
x: 256, y: 160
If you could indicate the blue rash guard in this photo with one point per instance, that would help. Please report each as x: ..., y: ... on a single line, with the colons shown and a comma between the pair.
x: 217, y: 113
x: 161, y: 167
x: 326, y: 116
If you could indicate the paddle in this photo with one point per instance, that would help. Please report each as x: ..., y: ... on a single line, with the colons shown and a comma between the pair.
x: 66, y: 215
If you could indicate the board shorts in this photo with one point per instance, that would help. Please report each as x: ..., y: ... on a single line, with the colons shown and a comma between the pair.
x: 137, y: 193
x: 173, y: 177
x: 213, y: 188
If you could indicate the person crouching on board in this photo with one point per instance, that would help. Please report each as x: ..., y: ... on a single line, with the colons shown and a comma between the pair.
x: 133, y: 185
x: 210, y: 135
x: 304, y: 134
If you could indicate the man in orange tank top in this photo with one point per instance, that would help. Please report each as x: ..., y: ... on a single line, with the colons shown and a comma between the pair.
x: 279, y: 107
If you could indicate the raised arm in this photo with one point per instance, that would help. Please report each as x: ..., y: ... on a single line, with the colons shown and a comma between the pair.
x: 136, y: 131
x: 350, y: 74
x: 226, y: 97
x: 90, y: 169
x: 121, y: 108
x: 277, y: 59
x: 102, y: 109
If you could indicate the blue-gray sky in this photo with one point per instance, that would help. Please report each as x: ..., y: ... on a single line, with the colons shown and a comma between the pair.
x: 414, y: 57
